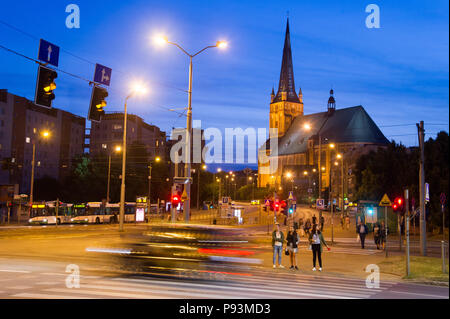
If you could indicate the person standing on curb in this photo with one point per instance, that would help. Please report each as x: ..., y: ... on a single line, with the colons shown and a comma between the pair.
x: 362, y: 230
x: 292, y: 241
x: 317, y: 242
x: 277, y: 244
x: 377, y: 235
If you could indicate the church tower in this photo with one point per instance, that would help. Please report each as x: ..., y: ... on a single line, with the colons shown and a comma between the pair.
x: 286, y: 104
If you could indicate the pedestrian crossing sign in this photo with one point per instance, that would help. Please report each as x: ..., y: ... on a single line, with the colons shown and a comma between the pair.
x: 385, y: 201
x: 184, y: 195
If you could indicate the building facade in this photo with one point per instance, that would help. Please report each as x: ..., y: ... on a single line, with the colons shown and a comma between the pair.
x: 329, y: 142
x: 106, y: 135
x: 23, y: 125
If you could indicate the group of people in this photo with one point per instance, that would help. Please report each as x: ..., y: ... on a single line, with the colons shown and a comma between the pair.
x: 379, y: 234
x: 305, y: 229
x: 316, y: 243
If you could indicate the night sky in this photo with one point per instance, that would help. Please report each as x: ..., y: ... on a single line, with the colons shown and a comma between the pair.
x: 399, y: 73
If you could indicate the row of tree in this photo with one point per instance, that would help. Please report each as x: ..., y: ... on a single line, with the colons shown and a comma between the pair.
x: 396, y: 167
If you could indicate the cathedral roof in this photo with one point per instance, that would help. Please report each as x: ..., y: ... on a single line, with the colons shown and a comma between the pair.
x: 347, y: 125
x: 286, y: 83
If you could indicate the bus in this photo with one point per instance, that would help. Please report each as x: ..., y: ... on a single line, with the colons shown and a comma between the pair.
x: 94, y: 213
x: 45, y: 213
x: 99, y: 213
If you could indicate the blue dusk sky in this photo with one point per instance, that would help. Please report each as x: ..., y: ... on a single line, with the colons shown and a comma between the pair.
x: 399, y: 72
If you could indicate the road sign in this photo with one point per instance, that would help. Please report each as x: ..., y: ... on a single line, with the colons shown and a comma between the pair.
x: 184, y: 195
x: 320, y: 203
x: 102, y: 74
x: 267, y: 202
x: 442, y: 198
x: 48, y: 52
x: 427, y: 192
x: 385, y: 201
x: 182, y: 180
x: 291, y: 195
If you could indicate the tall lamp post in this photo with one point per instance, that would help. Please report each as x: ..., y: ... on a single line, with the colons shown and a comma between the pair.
x: 117, y: 149
x: 137, y: 89
x: 198, y: 185
x: 45, y: 135
x: 157, y: 159
x: 187, y: 166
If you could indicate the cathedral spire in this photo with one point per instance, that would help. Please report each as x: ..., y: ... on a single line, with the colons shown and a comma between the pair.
x: 286, y: 84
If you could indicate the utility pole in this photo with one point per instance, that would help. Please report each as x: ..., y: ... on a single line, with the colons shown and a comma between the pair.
x: 423, y: 222
x: 407, y: 230
x: 149, y: 205
x: 319, y: 168
x: 109, y: 178
x: 32, y: 178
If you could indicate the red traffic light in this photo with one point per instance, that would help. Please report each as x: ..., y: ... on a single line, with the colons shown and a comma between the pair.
x: 175, y: 200
x: 398, y: 204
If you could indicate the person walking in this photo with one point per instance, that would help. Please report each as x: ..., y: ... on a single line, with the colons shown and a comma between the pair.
x: 347, y: 221
x: 307, y: 227
x: 292, y: 241
x: 317, y: 242
x: 321, y: 222
x: 362, y: 230
x: 383, y: 234
x: 277, y: 244
x: 377, y: 235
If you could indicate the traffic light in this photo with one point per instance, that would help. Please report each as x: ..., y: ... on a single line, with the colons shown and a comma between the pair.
x: 175, y: 199
x: 291, y: 210
x: 97, y: 103
x: 45, y: 86
x: 397, y: 206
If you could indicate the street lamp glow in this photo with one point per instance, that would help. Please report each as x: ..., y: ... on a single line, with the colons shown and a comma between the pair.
x: 157, y: 159
x: 314, y: 170
x: 323, y: 168
x: 339, y: 156
x: 204, y: 166
x: 219, y: 170
x: 160, y: 40
x: 45, y: 134
x: 307, y: 126
x: 305, y: 173
x: 332, y: 145
x: 336, y: 163
x: 222, y: 44
x: 138, y: 88
x: 288, y: 174
x: 118, y: 148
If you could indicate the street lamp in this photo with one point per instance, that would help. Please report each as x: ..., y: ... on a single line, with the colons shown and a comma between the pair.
x: 44, y: 134
x: 198, y: 186
x: 187, y: 167
x: 117, y: 149
x: 140, y: 89
x: 149, y: 207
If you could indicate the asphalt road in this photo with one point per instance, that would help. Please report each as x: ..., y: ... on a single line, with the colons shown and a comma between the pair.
x: 33, y: 264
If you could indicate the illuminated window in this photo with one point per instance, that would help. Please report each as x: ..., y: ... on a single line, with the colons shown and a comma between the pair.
x: 27, y: 140
x: 117, y: 127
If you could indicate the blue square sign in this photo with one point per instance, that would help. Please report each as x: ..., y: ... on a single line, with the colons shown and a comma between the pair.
x: 48, y: 52
x: 102, y: 74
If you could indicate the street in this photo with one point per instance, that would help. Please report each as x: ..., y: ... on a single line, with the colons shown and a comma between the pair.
x: 33, y: 263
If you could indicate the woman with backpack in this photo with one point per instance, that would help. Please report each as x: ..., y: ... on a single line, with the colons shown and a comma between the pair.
x: 317, y: 242
x: 292, y: 247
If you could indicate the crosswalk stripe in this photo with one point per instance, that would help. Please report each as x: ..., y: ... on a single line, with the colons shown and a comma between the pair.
x: 98, y: 293
x: 270, y: 291
x: 225, y: 290
x: 46, y: 296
